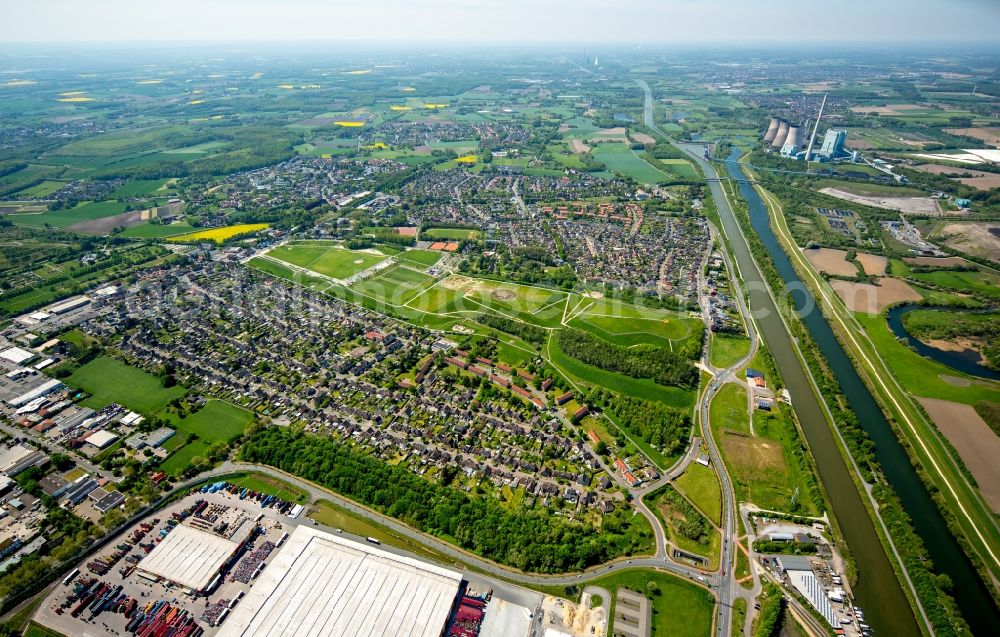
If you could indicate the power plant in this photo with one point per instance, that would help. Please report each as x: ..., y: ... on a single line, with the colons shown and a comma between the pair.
x: 788, y: 139
x: 792, y: 142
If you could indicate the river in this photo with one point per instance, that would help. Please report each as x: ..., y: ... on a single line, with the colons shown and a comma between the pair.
x: 966, y: 361
x: 877, y: 590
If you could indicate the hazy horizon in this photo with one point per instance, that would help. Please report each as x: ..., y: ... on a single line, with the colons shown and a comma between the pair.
x: 651, y: 22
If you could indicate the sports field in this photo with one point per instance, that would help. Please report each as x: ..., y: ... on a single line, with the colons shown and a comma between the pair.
x: 327, y: 259
x: 394, y: 286
x: 453, y: 234
x: 420, y: 258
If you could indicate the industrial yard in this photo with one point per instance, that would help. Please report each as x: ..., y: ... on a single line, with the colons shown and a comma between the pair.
x: 228, y: 561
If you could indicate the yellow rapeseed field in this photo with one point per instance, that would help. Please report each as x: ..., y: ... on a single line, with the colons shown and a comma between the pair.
x: 196, y: 102
x: 219, y: 234
x: 433, y: 105
x: 407, y: 89
x: 20, y: 83
x: 349, y: 123
x: 466, y: 159
x: 150, y: 81
x: 359, y: 72
x: 396, y: 107
x: 75, y: 99
x: 286, y: 86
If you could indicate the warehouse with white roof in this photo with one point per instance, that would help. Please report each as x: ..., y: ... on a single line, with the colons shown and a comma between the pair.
x: 191, y: 557
x: 320, y: 584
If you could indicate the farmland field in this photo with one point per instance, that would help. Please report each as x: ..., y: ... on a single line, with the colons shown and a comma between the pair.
x: 109, y: 380
x: 86, y: 211
x: 622, y: 159
x: 220, y: 234
x: 155, y: 231
x: 41, y: 190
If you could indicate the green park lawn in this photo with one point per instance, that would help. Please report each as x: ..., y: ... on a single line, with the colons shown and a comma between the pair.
x: 332, y: 261
x: 109, y: 380
x: 217, y: 420
x: 700, y: 484
x: 727, y: 350
x: 680, y: 608
x: 728, y: 410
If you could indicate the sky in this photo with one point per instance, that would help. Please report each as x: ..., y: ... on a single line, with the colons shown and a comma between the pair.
x: 502, y: 21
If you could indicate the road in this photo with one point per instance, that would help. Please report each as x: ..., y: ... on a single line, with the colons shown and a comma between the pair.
x: 727, y: 589
x: 478, y: 564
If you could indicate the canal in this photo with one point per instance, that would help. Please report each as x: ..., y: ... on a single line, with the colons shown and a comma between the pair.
x: 877, y: 591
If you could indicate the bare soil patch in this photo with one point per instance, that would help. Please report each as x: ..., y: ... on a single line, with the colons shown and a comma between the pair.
x: 902, y: 204
x: 578, y: 146
x: 105, y: 225
x: 753, y: 454
x: 974, y: 441
x: 955, y: 381
x: 616, y: 134
x: 935, y: 262
x: 831, y: 261
x: 643, y: 138
x: 980, y: 239
x: 407, y: 231
x: 872, y: 299
x: 888, y: 109
x: 503, y: 295
x: 873, y: 264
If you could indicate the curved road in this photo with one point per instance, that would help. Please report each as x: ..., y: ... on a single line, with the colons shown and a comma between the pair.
x: 726, y: 582
x: 317, y: 492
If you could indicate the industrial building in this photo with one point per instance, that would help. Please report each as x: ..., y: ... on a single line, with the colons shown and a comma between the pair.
x: 789, y: 139
x: 321, y: 584
x: 193, y: 553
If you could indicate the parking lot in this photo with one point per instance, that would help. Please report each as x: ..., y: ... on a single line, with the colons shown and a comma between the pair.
x: 115, y: 566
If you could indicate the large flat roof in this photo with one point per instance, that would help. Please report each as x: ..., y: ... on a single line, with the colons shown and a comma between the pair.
x: 189, y: 557
x: 321, y: 584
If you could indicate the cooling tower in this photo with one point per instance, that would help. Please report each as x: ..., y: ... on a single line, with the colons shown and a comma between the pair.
x: 772, y: 130
x: 794, y: 137
x: 779, y: 139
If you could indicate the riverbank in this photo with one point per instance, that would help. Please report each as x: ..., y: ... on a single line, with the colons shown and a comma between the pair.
x: 893, y: 456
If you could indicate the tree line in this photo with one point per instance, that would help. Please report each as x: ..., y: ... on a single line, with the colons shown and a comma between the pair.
x: 664, y: 427
x: 520, y: 329
x: 526, y: 540
x: 642, y: 361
